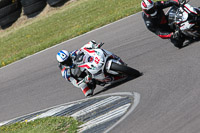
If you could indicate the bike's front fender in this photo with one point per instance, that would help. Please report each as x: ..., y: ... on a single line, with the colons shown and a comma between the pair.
x: 108, y: 66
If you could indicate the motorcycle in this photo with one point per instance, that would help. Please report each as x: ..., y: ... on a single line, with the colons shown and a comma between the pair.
x: 103, y: 66
x: 183, y: 19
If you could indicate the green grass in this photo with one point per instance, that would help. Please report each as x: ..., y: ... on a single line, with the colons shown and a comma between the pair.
x: 69, y: 21
x: 44, y: 125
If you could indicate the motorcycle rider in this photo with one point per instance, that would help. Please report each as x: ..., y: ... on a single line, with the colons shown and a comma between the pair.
x: 157, y: 22
x: 78, y: 77
x: 73, y: 68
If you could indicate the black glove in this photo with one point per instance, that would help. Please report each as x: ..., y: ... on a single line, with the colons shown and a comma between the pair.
x: 60, y: 66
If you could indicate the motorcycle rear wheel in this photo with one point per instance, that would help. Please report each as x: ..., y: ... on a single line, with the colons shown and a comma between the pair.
x: 125, y: 70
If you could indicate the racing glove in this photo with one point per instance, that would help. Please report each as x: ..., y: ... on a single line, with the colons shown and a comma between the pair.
x: 60, y: 66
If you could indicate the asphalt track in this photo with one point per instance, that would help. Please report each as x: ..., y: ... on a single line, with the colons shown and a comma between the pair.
x: 169, y: 88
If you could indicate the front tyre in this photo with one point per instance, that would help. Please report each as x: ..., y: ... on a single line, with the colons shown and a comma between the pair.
x: 125, y: 70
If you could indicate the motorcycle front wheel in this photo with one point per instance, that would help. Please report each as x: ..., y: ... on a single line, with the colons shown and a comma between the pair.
x: 125, y: 70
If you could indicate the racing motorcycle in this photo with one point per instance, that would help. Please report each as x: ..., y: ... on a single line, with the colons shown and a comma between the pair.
x: 104, y: 66
x: 183, y: 19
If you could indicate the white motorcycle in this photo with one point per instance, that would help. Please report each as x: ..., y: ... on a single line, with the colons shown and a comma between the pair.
x: 182, y: 18
x: 104, y: 66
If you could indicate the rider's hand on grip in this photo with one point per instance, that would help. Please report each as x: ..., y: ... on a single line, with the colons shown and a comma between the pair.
x: 60, y: 66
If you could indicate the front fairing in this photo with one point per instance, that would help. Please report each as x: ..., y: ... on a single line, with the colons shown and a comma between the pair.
x: 179, y: 18
x: 181, y: 14
x: 93, y: 61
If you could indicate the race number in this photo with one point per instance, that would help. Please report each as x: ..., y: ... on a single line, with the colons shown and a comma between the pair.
x: 97, y: 60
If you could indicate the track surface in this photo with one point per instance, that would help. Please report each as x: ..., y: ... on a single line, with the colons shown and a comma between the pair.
x: 169, y: 88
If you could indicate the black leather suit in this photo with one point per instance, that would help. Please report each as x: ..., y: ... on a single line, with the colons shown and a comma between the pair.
x: 159, y: 23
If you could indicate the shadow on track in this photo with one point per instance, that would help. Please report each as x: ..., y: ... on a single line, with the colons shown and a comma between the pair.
x: 116, y: 84
x: 190, y: 42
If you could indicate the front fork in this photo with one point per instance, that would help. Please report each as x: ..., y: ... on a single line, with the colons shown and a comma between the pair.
x: 109, y: 62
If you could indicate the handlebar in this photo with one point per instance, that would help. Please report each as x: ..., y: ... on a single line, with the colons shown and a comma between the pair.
x: 100, y: 44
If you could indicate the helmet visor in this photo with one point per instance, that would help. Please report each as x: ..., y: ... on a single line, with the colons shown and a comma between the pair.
x: 67, y: 62
x: 151, y: 12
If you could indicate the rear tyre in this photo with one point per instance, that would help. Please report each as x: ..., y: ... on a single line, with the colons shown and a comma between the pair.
x: 125, y: 70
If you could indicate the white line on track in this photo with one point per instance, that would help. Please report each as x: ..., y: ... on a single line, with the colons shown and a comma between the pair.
x: 96, y: 106
x: 135, y: 104
x: 5, y: 122
x: 50, y: 112
x: 64, y: 104
x: 104, y: 118
x: 122, y: 111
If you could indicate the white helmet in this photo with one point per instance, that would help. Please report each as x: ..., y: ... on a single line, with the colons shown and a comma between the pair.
x: 148, y: 7
x: 63, y: 57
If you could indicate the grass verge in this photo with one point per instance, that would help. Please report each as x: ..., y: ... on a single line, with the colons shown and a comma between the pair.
x: 71, y: 20
x: 44, y: 125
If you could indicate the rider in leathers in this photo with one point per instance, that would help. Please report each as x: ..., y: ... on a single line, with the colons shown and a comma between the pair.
x: 157, y: 22
x: 78, y: 77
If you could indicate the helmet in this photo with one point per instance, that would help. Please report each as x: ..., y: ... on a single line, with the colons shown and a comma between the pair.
x: 148, y: 7
x: 64, y: 58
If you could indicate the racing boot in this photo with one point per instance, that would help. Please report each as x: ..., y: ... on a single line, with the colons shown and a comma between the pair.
x: 91, y: 86
x: 90, y: 94
x: 177, y: 40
